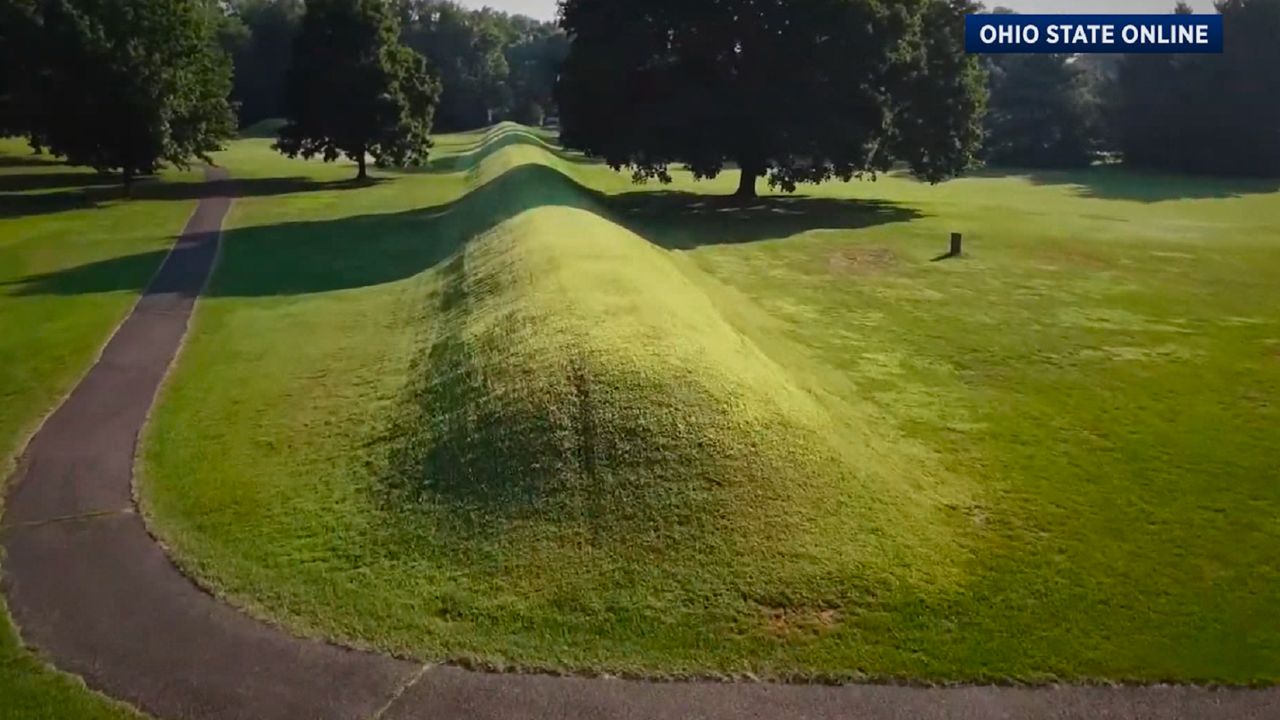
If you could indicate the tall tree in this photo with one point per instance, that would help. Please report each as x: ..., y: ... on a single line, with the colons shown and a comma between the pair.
x: 354, y: 90
x: 535, y: 61
x: 1216, y: 114
x: 798, y: 92
x: 1152, y: 90
x: 125, y: 84
x: 1042, y: 112
x: 262, y: 56
x: 466, y: 47
x: 18, y: 27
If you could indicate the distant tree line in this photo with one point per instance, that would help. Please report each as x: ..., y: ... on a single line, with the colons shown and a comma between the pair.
x: 492, y: 66
x: 1216, y: 114
x: 127, y: 85
x: 784, y: 90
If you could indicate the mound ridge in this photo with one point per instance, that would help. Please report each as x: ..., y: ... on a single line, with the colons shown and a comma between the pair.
x: 574, y: 366
x: 577, y: 384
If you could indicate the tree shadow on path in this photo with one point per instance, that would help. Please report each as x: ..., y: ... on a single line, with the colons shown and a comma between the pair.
x: 321, y: 256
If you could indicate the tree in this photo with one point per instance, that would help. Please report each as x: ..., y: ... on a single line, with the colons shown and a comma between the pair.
x: 1042, y: 112
x: 1236, y: 112
x: 535, y: 62
x: 17, y: 27
x: 799, y: 92
x: 1152, y: 93
x: 124, y: 84
x: 1215, y: 114
x: 467, y: 48
x: 261, y: 57
x: 354, y: 90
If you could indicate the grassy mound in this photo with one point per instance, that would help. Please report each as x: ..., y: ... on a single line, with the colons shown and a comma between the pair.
x: 579, y: 386
x: 584, y: 399
x: 515, y: 411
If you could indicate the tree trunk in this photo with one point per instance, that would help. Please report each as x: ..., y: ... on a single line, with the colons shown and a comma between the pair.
x: 747, y: 182
x: 363, y: 173
x: 127, y: 174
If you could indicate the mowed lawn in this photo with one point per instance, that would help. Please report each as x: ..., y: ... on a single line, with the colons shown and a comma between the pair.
x: 515, y: 411
x: 73, y: 259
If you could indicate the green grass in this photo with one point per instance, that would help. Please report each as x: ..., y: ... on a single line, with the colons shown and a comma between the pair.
x: 55, y: 219
x: 513, y: 411
x: 72, y: 259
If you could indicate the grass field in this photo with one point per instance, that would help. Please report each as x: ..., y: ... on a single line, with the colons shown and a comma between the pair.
x: 53, y: 321
x: 514, y: 411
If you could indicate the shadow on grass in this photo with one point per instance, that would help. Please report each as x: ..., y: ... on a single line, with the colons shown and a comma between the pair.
x: 681, y: 220
x: 1117, y: 182
x: 364, y: 250
x: 26, y: 182
x: 94, y: 191
x: 31, y: 160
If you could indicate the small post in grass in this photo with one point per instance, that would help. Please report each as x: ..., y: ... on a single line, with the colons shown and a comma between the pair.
x: 957, y: 240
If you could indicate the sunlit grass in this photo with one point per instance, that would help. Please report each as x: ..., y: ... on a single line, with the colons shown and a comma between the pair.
x: 55, y: 219
x: 515, y: 411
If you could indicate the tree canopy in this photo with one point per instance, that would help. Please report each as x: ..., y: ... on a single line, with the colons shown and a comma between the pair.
x: 467, y: 49
x: 118, y: 84
x: 799, y: 92
x: 353, y: 89
x: 1208, y: 113
x: 534, y: 60
x: 493, y: 65
x: 261, y: 44
x: 1042, y: 112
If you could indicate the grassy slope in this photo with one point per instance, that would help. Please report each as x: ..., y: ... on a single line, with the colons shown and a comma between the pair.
x: 1052, y: 458
x: 72, y: 261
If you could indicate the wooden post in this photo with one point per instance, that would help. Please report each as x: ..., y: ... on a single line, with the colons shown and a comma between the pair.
x: 956, y: 241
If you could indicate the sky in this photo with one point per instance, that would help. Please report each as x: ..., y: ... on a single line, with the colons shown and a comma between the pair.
x: 546, y: 9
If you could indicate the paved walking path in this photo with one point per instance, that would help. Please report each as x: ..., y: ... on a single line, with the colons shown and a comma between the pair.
x: 94, y: 593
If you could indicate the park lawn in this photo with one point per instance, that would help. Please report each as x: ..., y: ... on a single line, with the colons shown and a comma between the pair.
x: 513, y: 411
x: 73, y: 259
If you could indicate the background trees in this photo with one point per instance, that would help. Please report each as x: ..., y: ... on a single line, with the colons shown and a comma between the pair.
x: 354, y: 90
x: 534, y: 61
x: 261, y: 53
x: 120, y: 84
x: 467, y: 49
x: 1216, y: 114
x: 1208, y: 113
x: 797, y: 92
x: 18, y: 31
x: 800, y: 92
x: 493, y: 66
x: 1043, y: 112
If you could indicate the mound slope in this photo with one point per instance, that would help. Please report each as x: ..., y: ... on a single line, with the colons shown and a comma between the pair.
x: 578, y: 387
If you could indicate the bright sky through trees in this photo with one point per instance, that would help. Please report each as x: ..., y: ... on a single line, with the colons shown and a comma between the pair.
x: 546, y: 9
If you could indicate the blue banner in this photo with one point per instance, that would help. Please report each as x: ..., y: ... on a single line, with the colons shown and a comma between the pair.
x: 1007, y: 33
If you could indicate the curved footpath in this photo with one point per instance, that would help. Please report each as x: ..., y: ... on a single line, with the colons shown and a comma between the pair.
x: 95, y: 594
